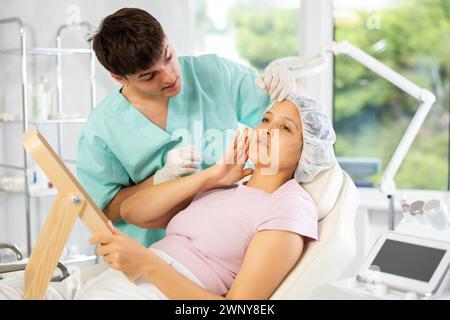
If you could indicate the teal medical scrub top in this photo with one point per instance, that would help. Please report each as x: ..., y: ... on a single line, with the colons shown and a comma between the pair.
x: 120, y: 147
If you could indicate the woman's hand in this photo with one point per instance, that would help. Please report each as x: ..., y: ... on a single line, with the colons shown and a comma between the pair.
x: 230, y: 168
x: 123, y: 253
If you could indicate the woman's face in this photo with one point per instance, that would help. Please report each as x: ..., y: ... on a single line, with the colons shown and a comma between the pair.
x: 277, y: 142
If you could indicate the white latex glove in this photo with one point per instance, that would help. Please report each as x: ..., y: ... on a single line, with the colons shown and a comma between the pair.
x: 277, y: 81
x: 180, y: 162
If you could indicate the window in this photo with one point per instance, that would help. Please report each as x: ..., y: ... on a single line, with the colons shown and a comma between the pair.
x: 250, y: 32
x: 370, y: 114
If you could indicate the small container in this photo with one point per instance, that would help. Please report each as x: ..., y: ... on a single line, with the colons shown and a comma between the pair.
x: 38, y: 180
x: 405, y: 209
x: 416, y: 210
x: 12, y: 184
x: 41, y: 100
x: 437, y: 214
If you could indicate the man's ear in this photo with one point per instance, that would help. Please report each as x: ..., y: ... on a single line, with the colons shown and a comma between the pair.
x: 119, y: 79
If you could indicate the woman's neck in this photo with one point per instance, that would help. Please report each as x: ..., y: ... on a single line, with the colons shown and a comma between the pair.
x: 268, y: 183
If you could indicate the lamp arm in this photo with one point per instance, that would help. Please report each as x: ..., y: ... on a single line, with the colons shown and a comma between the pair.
x: 387, y: 184
x: 427, y: 98
x: 345, y: 47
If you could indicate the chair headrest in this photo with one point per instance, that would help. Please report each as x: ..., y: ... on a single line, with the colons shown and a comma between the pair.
x: 325, y: 189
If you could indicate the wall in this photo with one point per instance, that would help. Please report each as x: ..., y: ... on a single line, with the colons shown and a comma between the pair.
x: 42, y: 19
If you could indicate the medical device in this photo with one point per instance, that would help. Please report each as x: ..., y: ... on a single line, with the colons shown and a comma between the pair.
x: 400, y: 266
x: 314, y: 65
x: 407, y: 264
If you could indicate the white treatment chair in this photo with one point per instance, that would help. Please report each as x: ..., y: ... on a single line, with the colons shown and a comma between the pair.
x: 325, y: 260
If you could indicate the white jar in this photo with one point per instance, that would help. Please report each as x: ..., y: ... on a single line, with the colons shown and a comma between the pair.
x: 41, y: 101
x: 437, y: 214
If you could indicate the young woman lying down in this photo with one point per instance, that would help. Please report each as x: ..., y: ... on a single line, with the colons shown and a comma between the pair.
x: 223, y: 240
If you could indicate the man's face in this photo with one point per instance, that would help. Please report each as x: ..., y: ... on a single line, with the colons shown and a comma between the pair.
x: 161, y: 80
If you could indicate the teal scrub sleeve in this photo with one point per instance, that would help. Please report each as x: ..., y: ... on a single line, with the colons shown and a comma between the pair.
x: 249, y: 100
x: 99, y: 171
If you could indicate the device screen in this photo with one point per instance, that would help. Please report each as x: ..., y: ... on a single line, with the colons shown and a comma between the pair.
x: 407, y: 260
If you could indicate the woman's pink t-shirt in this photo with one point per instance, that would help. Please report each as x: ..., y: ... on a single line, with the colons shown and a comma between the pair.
x: 210, y: 237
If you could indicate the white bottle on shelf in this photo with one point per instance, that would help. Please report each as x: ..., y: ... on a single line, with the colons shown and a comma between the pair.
x: 41, y: 100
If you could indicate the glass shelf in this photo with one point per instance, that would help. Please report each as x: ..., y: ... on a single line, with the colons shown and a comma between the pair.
x: 44, y: 193
x: 28, y: 51
x: 35, y: 194
x: 48, y: 51
x: 57, y: 121
x: 13, y: 167
x: 9, y: 166
x: 49, y: 121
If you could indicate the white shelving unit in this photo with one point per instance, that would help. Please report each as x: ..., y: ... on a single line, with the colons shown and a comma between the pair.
x: 58, y: 52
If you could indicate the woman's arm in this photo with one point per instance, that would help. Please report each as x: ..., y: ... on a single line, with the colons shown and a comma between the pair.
x: 112, y: 209
x: 269, y: 258
x: 162, y: 222
x: 160, y: 202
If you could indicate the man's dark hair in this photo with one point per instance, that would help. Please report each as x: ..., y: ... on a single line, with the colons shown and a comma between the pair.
x: 129, y: 40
